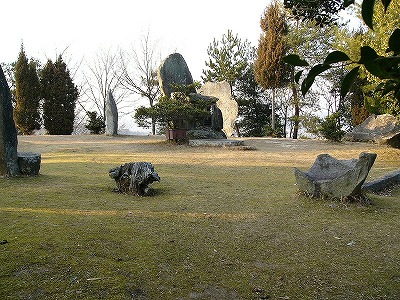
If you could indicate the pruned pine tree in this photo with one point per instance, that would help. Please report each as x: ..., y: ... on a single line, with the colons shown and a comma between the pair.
x: 27, y: 94
x: 228, y: 59
x: 60, y: 95
x: 270, y: 70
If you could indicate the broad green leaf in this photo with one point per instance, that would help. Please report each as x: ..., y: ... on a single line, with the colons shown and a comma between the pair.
x: 314, y: 72
x: 384, y: 67
x: 348, y: 81
x: 367, y: 54
x: 347, y: 3
x: 388, y: 87
x: 386, y: 3
x: 367, y: 12
x: 336, y: 56
x: 394, y: 41
x: 295, y: 60
x: 297, y: 76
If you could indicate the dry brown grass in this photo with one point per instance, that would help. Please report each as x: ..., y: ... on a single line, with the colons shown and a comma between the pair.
x: 222, y: 224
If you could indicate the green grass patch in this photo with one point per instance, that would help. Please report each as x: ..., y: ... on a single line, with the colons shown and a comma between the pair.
x: 221, y: 224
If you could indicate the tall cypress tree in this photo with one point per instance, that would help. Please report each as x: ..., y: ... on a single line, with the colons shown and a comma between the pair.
x: 59, y: 95
x: 27, y: 94
x: 269, y: 68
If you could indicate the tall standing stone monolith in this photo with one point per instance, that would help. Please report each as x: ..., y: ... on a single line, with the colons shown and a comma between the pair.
x: 111, y: 115
x: 8, y: 132
x: 174, y: 71
x: 226, y: 103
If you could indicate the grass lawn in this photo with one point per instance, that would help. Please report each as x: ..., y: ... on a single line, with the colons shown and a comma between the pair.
x: 222, y: 224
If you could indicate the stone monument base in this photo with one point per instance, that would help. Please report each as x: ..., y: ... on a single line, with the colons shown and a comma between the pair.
x: 216, y: 143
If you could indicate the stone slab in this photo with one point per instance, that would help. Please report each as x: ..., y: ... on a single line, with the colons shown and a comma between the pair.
x: 382, y: 183
x: 216, y: 143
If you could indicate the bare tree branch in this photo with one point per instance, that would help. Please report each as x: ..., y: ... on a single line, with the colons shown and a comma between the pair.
x: 139, y: 71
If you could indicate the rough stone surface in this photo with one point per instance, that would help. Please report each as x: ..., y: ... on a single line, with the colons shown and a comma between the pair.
x: 8, y: 132
x: 216, y: 143
x: 205, y: 133
x: 225, y: 103
x: 134, y: 178
x: 217, y: 120
x: 381, y: 129
x: 173, y: 70
x: 111, y: 115
x: 382, y: 183
x: 329, y: 177
x: 29, y: 163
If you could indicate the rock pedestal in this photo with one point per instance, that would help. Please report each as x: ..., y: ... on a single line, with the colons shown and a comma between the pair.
x: 332, y: 178
x: 8, y: 132
x: 111, y: 115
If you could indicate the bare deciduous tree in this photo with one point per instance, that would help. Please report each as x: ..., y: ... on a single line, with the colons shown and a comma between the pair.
x: 101, y: 77
x: 139, y: 71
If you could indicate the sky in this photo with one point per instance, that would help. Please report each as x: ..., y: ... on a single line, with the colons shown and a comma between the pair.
x: 85, y: 27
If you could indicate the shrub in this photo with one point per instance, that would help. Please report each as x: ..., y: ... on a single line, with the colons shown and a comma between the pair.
x: 331, y: 129
x: 95, y: 123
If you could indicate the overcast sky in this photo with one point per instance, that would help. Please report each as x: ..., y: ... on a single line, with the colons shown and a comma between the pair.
x: 47, y: 27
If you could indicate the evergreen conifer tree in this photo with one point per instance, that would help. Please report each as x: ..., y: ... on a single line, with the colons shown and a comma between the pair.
x: 269, y: 68
x: 60, y: 95
x: 27, y: 94
x: 228, y: 59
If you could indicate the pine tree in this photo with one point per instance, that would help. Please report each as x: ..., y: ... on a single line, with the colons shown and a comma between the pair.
x: 60, y: 95
x: 254, y: 108
x: 27, y: 94
x: 228, y: 59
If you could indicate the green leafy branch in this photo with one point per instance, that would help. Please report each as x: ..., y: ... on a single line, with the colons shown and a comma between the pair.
x: 386, y: 68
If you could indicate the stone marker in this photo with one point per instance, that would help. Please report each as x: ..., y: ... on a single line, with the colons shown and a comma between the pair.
x: 332, y: 178
x: 173, y: 70
x: 227, y: 105
x: 381, y: 129
x: 111, y: 115
x: 134, y: 178
x: 8, y: 132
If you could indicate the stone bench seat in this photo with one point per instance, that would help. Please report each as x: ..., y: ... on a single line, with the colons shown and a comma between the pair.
x: 29, y: 163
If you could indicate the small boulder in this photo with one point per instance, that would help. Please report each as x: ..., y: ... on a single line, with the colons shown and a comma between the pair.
x: 380, y: 129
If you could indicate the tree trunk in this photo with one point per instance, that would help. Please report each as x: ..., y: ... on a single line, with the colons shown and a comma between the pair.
x: 296, y: 111
x: 273, y: 111
x: 153, y: 127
